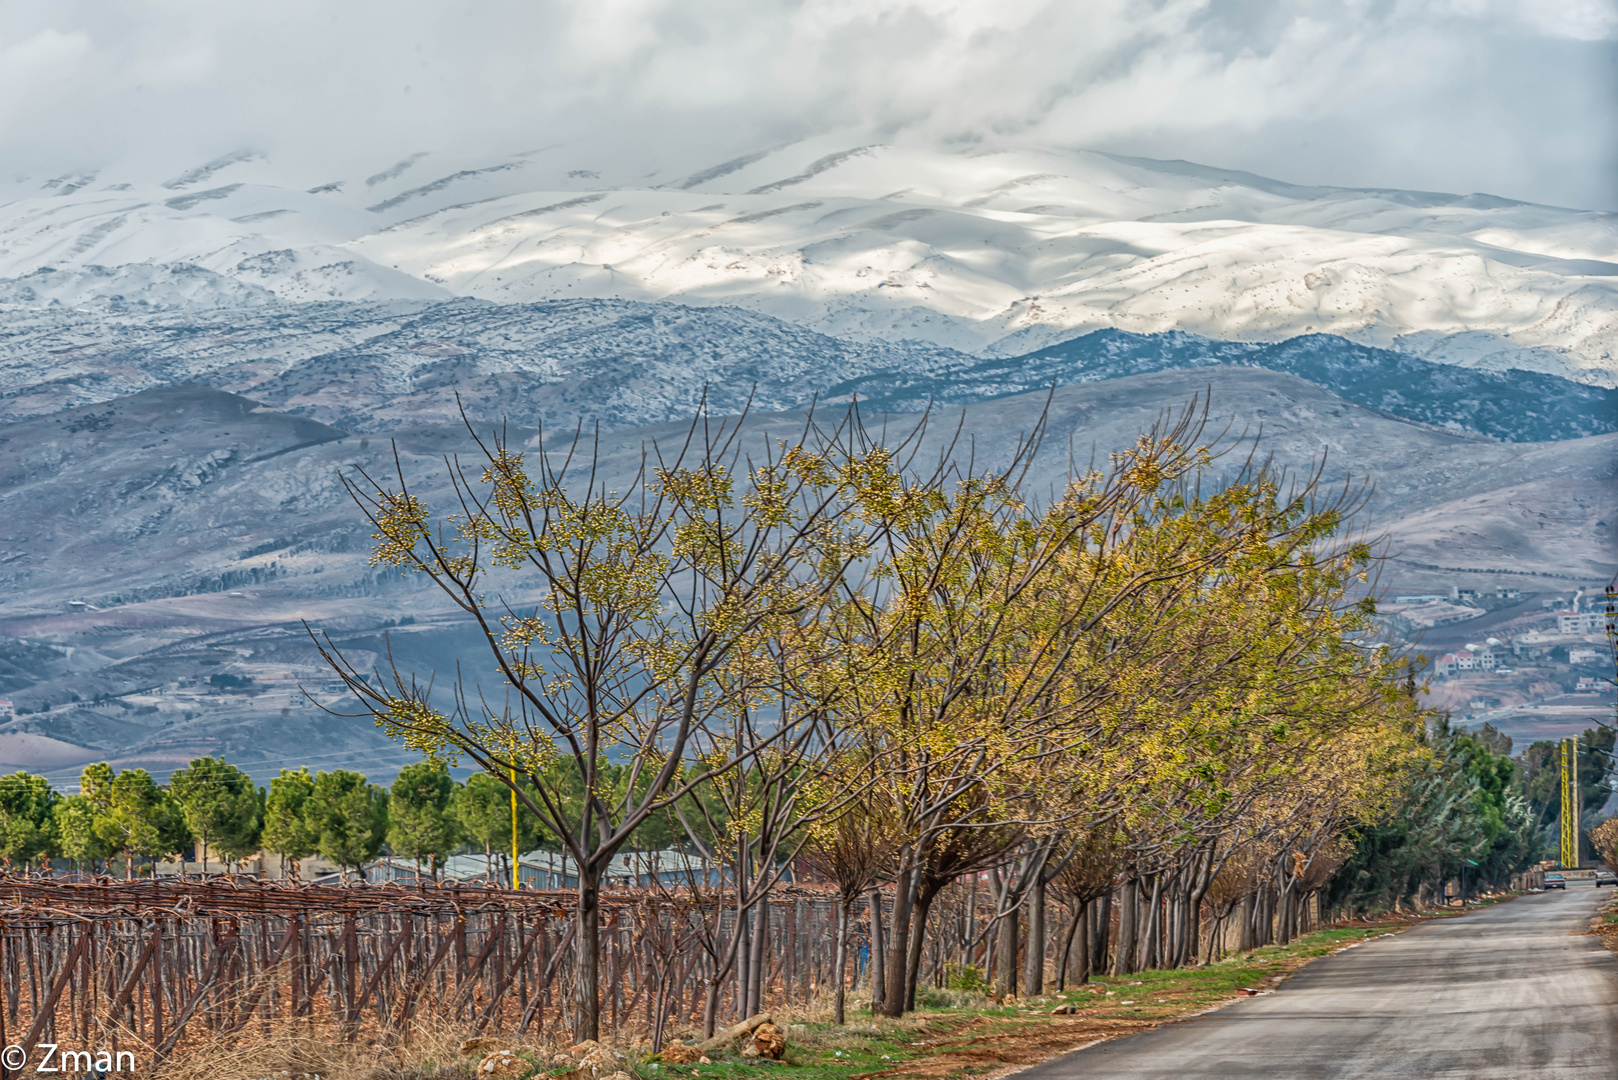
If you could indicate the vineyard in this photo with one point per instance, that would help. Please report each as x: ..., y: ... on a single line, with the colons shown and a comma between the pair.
x: 152, y: 967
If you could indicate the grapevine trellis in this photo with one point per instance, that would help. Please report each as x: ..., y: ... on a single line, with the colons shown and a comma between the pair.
x: 153, y: 967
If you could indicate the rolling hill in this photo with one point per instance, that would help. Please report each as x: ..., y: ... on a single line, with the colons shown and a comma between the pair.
x: 152, y: 542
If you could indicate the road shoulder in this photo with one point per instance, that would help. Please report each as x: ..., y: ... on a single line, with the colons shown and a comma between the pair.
x: 998, y: 1042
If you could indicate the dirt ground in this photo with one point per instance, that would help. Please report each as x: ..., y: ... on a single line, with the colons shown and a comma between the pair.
x: 988, y: 1048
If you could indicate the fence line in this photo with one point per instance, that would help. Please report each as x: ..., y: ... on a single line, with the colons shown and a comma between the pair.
x: 153, y: 967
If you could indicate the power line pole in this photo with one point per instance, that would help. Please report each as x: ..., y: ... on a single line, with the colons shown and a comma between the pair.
x: 516, y: 852
x: 1570, y: 804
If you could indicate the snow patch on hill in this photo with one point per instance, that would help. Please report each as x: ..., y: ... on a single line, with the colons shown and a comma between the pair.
x: 983, y: 251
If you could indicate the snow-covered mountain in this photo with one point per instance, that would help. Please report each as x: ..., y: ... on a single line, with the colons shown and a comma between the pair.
x: 984, y: 251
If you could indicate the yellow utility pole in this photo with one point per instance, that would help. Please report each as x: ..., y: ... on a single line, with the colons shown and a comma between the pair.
x: 1570, y: 801
x: 516, y: 882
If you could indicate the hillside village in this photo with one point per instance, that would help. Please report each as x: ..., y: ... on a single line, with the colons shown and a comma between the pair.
x: 1531, y: 665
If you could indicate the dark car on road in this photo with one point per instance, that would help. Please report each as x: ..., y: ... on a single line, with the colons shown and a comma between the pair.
x: 1605, y: 877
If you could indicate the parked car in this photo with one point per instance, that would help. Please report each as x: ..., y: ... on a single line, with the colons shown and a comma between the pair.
x: 1605, y: 877
x: 1554, y: 880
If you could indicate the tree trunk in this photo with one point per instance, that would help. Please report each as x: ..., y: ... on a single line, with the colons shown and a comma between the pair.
x: 1006, y: 977
x: 744, y: 946
x: 841, y: 974
x: 710, y: 1007
x: 587, y: 946
x: 1078, y: 965
x: 758, y: 964
x: 738, y: 970
x: 918, y: 935
x: 1194, y: 930
x: 893, y: 994
x: 1123, y: 951
x: 1153, y: 934
x: 1100, y: 930
x: 1034, y: 966
x: 879, y: 981
x: 1174, y: 937
x: 1244, y: 919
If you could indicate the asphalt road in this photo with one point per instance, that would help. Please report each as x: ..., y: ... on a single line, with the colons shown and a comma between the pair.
x: 1513, y: 991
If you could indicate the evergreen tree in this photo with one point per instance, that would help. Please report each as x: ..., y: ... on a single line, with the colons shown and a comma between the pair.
x: 76, y: 816
x: 482, y: 809
x: 76, y: 837
x: 140, y: 818
x: 348, y: 818
x: 220, y: 807
x: 421, y: 820
x: 27, y: 824
x: 95, y: 784
x: 287, y: 831
x: 1463, y: 806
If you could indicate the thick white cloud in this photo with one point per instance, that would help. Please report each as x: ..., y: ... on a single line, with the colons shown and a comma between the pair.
x: 1513, y: 97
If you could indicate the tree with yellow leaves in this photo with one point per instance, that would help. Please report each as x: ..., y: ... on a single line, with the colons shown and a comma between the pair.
x: 631, y: 621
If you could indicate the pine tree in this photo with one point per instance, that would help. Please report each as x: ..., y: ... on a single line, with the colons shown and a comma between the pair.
x: 348, y: 818
x: 287, y: 831
x: 421, y: 820
x: 140, y: 818
x: 27, y: 824
x: 220, y: 807
x: 482, y: 808
x: 74, y: 819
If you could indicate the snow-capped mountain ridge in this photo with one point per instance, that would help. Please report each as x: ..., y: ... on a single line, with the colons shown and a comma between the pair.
x: 983, y: 251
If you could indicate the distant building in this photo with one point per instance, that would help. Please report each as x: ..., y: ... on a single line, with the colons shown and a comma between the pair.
x: 1587, y: 683
x: 1584, y: 656
x: 1580, y: 622
x: 1419, y: 598
x: 1531, y: 644
x: 1475, y: 658
x: 546, y: 870
x: 8, y: 711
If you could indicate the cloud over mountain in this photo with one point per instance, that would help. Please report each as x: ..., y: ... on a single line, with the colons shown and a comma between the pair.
x: 1487, y: 95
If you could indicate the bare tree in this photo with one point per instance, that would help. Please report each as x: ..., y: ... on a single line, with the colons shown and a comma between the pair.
x: 612, y: 607
x: 853, y: 849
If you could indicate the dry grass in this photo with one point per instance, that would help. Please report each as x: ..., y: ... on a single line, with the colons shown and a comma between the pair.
x: 430, y: 1053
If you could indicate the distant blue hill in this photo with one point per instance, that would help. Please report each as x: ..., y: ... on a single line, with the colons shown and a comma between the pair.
x: 1512, y: 406
x: 367, y: 367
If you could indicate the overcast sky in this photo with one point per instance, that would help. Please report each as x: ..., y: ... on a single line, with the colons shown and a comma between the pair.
x: 1513, y: 97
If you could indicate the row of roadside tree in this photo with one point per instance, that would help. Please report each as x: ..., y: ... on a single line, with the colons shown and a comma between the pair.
x: 1157, y: 686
